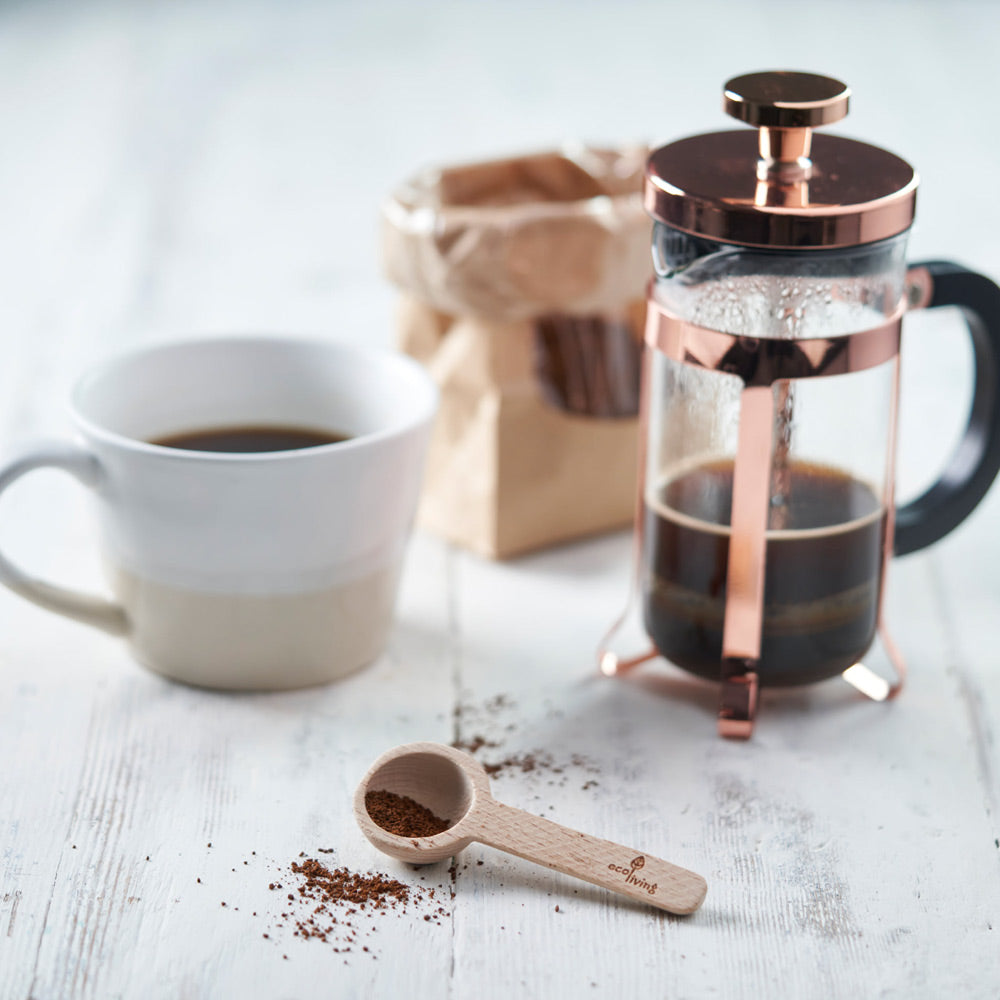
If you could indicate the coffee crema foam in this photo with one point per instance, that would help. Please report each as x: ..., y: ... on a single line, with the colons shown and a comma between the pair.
x: 257, y: 641
x: 656, y: 506
x: 863, y: 495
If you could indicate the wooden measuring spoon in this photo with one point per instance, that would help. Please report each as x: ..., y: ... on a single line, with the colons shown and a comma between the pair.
x: 455, y: 786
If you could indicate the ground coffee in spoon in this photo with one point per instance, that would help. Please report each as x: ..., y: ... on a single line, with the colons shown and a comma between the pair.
x: 401, y: 815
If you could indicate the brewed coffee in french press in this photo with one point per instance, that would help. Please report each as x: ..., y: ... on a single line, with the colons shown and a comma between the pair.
x: 765, y: 510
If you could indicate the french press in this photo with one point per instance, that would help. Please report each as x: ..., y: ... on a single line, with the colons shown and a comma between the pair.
x: 765, y: 510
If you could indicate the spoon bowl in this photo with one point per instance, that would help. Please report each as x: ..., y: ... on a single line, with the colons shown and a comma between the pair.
x: 447, y: 781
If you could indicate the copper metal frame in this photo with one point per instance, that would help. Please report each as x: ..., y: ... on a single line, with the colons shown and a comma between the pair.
x: 761, y: 364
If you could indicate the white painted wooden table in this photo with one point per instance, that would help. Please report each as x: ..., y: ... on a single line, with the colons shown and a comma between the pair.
x: 170, y: 168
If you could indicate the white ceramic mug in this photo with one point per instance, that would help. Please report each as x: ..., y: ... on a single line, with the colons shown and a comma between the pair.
x: 245, y: 571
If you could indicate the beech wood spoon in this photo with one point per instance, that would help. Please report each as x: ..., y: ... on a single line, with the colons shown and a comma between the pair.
x: 455, y: 786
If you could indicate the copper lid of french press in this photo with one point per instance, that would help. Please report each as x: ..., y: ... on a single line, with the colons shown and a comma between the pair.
x: 783, y: 187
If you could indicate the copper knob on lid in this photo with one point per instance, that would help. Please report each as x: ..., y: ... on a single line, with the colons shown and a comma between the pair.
x: 786, y: 100
x: 785, y: 107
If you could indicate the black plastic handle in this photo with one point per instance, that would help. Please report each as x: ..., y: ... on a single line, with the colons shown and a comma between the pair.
x: 975, y: 462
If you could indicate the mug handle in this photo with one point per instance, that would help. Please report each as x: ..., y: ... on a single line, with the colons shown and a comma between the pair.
x: 91, y: 610
x: 975, y: 462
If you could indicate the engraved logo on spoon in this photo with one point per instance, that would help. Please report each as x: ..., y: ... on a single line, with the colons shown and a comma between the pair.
x: 630, y: 874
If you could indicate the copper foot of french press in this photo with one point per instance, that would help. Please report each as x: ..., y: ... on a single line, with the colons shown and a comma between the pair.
x: 739, y: 691
x: 738, y: 699
x: 873, y: 685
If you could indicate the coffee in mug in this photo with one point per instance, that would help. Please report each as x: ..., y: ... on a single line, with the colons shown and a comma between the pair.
x: 244, y: 439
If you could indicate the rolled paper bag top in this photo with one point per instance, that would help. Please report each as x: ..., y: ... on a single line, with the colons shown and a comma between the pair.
x: 558, y: 232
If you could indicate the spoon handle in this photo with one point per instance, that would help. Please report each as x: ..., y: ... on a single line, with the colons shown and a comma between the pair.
x: 600, y: 862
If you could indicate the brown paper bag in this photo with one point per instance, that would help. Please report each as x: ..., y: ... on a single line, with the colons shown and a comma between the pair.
x: 523, y: 286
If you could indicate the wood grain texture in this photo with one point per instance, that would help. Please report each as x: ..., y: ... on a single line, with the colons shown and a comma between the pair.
x: 625, y: 870
x: 183, y: 167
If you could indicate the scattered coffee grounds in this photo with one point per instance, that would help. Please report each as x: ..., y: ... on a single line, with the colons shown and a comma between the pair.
x: 523, y: 762
x: 330, y: 902
x: 475, y: 744
x: 372, y: 890
x: 335, y: 905
x: 403, y: 816
x: 493, y: 719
